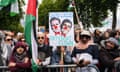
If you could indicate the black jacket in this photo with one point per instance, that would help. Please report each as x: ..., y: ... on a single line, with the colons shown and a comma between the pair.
x: 107, y: 57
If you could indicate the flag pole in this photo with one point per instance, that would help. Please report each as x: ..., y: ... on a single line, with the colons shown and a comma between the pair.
x: 76, y: 13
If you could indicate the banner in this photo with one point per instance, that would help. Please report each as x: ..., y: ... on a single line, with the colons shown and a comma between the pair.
x: 61, y: 29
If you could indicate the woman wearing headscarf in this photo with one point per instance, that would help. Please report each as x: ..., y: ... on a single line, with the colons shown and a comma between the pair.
x: 19, y: 60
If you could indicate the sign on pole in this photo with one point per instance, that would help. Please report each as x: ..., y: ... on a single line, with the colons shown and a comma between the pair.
x: 61, y: 29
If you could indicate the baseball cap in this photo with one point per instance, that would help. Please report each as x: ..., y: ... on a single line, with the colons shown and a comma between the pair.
x: 85, y: 33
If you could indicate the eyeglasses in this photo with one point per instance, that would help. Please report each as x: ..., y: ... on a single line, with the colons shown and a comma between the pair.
x: 40, y: 38
x: 9, y: 39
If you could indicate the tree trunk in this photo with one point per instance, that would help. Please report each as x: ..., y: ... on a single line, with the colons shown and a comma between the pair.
x: 114, y: 18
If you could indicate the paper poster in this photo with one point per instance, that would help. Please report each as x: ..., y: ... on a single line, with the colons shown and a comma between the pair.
x: 61, y: 29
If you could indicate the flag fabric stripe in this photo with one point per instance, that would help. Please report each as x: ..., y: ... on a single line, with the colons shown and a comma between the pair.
x: 4, y: 3
x: 28, y: 26
x: 34, y: 51
x: 71, y: 5
x: 32, y: 7
x: 30, y: 31
x: 14, y: 8
x: 10, y: 6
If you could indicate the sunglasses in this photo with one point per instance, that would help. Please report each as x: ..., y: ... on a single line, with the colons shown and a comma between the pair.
x: 85, y: 36
x: 9, y: 39
x: 40, y: 38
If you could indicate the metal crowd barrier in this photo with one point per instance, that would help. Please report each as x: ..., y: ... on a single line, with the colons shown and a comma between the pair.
x: 4, y: 69
x: 57, y: 68
x: 54, y: 66
x: 61, y: 68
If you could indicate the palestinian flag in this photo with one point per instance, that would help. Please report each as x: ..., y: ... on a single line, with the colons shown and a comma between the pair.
x: 30, y: 31
x: 14, y: 9
x: 10, y: 6
x: 4, y: 3
x: 71, y: 5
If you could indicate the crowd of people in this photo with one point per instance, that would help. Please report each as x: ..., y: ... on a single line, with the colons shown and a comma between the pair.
x: 99, y: 48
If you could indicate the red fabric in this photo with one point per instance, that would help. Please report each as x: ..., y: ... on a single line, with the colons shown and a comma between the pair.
x: 19, y: 65
x: 13, y: 59
x: 31, y: 9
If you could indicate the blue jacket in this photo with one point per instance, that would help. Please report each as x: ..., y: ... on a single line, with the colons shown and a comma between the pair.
x: 56, y: 58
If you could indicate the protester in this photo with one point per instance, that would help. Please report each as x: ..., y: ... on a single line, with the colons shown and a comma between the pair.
x: 1, y: 61
x: 7, y: 48
x: 60, y: 57
x: 109, y: 54
x: 19, y: 60
x: 44, y: 52
x: 97, y: 36
x: 19, y: 36
x: 85, y: 52
x: 105, y: 35
x: 116, y: 35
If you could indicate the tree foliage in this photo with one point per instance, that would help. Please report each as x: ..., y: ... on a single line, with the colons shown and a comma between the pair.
x: 94, y: 11
x: 51, y: 6
x: 89, y: 11
x: 8, y: 22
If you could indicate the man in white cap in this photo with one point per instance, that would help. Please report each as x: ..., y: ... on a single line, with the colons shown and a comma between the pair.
x: 44, y: 52
x: 85, y: 53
